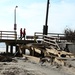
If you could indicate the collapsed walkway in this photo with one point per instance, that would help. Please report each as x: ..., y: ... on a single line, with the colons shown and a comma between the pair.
x: 38, y: 45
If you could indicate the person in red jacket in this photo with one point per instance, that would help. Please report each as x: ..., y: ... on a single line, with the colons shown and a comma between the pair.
x: 21, y: 33
x: 24, y: 33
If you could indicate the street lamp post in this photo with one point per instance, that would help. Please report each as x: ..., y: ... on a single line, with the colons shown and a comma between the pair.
x: 15, y: 25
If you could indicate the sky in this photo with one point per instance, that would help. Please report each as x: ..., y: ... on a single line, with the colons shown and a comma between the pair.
x: 31, y: 15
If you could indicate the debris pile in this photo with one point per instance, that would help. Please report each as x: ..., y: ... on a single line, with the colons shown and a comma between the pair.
x: 5, y: 58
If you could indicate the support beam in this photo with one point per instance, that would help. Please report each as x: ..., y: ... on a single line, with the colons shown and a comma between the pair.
x: 7, y: 47
x: 23, y: 51
x: 31, y: 52
x: 42, y: 54
x: 11, y: 49
x: 16, y: 48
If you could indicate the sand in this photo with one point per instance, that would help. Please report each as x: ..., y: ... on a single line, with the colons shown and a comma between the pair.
x: 33, y: 67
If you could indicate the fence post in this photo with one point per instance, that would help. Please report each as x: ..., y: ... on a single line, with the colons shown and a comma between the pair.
x: 15, y: 35
x: 34, y: 36
x: 1, y: 35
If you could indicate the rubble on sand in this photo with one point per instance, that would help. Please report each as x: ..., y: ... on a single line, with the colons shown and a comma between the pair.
x: 5, y: 58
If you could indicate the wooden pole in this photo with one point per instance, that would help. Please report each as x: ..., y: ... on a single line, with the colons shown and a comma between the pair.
x: 11, y: 49
x: 7, y: 48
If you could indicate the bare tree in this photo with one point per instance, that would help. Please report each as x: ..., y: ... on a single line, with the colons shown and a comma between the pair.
x: 70, y: 35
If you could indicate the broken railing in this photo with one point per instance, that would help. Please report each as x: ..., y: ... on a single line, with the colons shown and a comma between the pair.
x: 59, y: 36
x: 50, y: 40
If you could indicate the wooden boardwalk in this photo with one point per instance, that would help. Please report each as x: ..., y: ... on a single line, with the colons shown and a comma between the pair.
x: 10, y: 39
x: 13, y: 42
x: 30, y: 42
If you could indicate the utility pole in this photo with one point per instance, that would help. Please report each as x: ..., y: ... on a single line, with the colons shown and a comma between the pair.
x: 45, y: 27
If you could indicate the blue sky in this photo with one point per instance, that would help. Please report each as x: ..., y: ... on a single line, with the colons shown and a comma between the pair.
x: 31, y: 15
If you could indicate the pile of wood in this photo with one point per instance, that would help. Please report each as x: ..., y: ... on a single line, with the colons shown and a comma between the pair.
x: 60, y: 57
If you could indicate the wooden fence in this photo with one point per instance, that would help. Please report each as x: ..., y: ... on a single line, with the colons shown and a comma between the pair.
x: 50, y: 39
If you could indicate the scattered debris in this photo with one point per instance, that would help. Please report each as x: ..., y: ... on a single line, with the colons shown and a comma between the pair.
x: 5, y: 58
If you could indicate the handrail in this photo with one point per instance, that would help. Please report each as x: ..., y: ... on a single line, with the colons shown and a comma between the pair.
x: 8, y: 31
x: 58, y: 36
x: 8, y: 35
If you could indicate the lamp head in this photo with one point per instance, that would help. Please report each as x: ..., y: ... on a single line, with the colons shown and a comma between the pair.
x: 16, y: 7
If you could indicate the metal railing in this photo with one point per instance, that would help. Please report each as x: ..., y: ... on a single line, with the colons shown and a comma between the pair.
x: 8, y: 35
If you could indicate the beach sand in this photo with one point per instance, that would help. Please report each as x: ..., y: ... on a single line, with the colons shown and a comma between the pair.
x: 20, y: 66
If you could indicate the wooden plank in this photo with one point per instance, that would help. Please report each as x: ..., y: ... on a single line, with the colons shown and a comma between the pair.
x: 49, y: 37
x: 7, y: 37
x: 50, y: 43
x: 8, y: 31
x: 66, y: 58
x: 7, y: 34
x: 49, y: 40
x: 37, y: 50
x: 59, y: 53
